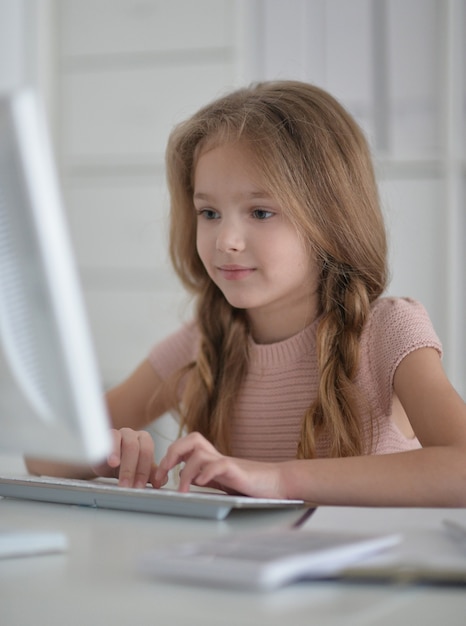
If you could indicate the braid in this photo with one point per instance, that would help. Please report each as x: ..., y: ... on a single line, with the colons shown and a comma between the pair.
x: 220, y: 368
x: 335, y: 412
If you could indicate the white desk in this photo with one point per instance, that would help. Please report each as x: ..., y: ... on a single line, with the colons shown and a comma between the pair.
x: 97, y: 581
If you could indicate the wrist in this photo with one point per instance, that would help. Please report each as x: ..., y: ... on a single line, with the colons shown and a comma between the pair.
x: 293, y: 485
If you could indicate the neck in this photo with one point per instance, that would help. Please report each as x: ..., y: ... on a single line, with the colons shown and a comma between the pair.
x: 267, y: 327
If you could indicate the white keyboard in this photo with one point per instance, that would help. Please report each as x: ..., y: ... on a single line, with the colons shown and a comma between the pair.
x: 107, y: 494
x: 264, y: 561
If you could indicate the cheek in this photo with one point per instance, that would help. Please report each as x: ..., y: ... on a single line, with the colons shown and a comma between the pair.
x: 300, y: 265
x: 202, y: 245
x: 289, y: 252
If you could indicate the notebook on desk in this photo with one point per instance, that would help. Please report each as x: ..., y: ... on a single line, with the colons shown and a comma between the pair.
x: 106, y: 494
x: 432, y: 549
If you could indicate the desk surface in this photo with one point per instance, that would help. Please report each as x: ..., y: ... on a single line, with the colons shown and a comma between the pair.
x: 97, y: 581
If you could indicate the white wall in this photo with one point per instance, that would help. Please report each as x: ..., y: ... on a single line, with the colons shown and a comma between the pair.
x: 11, y: 43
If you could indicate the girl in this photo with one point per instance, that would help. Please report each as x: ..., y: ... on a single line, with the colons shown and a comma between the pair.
x: 296, y: 379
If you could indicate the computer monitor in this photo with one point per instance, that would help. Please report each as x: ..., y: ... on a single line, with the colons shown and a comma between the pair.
x: 51, y: 400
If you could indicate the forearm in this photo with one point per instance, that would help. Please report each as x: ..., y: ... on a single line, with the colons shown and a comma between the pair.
x: 434, y: 476
x: 40, y: 467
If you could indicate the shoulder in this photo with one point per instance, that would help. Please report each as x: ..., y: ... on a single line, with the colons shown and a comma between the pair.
x: 394, y: 307
x: 176, y: 350
x: 400, y: 325
x: 395, y: 328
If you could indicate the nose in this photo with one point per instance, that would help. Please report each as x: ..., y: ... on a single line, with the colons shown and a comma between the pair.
x: 230, y: 237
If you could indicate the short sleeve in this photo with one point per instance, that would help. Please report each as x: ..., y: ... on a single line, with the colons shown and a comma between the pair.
x: 176, y: 351
x: 397, y: 327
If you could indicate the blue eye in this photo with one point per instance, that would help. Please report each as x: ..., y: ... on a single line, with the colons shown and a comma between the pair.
x: 208, y: 214
x: 262, y: 214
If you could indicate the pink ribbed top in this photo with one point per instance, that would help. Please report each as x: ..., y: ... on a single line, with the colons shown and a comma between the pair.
x: 282, y: 380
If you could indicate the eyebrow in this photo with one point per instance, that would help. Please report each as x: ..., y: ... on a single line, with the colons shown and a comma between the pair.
x: 199, y: 195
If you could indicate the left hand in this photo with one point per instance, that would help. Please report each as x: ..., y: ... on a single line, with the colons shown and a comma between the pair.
x: 206, y: 467
x: 131, y: 460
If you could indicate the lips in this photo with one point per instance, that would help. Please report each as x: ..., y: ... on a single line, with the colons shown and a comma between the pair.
x: 235, y: 272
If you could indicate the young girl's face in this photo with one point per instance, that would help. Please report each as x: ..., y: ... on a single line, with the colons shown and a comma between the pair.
x: 249, y: 248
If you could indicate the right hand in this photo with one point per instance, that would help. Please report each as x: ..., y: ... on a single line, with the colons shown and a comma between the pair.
x: 131, y: 460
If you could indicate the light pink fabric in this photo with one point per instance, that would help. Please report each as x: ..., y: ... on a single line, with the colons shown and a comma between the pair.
x: 282, y: 380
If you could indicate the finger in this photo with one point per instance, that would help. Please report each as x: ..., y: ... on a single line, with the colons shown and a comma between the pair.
x: 181, y: 450
x: 171, y: 459
x: 217, y: 471
x: 201, y: 464
x: 191, y: 472
x: 153, y: 477
x: 145, y: 461
x: 114, y: 457
x: 225, y: 474
x: 130, y: 448
x: 109, y: 467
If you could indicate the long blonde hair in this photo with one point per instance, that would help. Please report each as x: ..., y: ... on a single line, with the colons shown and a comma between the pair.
x: 316, y: 163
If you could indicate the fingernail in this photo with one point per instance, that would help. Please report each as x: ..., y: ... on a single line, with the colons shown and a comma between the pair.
x: 161, y: 480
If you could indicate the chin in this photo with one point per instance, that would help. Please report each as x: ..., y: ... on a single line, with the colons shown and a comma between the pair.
x: 241, y: 298
x: 239, y: 303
